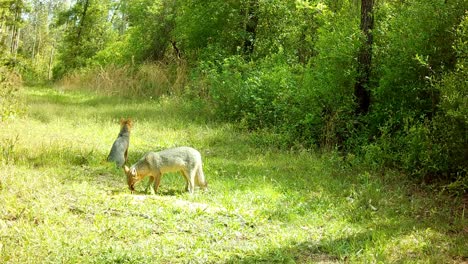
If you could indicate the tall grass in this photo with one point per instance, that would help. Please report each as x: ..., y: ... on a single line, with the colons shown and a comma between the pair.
x: 150, y: 79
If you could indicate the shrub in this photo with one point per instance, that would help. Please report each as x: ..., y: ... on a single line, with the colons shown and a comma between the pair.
x: 330, y: 81
x: 275, y: 92
x: 426, y: 139
x: 260, y: 94
x: 10, y: 102
x: 449, y: 134
x: 413, y: 45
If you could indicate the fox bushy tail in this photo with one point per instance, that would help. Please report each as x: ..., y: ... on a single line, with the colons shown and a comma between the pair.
x: 200, y: 179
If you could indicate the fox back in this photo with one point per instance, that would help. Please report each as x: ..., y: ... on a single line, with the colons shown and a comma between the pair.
x: 119, y: 150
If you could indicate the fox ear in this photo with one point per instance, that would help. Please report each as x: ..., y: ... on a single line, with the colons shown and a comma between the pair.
x: 133, y: 171
x: 130, y: 122
x: 126, y: 169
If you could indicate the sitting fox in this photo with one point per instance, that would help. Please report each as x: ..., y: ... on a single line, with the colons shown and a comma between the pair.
x: 119, y: 151
x: 154, y: 164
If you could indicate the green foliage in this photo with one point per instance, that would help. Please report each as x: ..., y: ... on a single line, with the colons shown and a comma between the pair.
x: 454, y: 85
x: 287, y: 28
x: 116, y: 53
x: 11, y: 104
x: 270, y: 93
x: 250, y: 91
x: 417, y: 114
x: 262, y: 95
x: 150, y: 29
x: 87, y: 31
x: 413, y: 46
x: 329, y: 82
x: 451, y: 123
x: 203, y: 24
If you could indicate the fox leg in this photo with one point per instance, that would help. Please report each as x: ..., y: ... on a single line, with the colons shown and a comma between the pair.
x: 149, y: 186
x: 186, y: 176
x: 157, y: 181
x: 191, y: 182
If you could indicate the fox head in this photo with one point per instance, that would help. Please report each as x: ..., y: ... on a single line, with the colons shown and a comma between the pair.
x: 126, y: 123
x: 132, y: 177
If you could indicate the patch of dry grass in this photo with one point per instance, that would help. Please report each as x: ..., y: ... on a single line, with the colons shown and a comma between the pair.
x: 149, y: 80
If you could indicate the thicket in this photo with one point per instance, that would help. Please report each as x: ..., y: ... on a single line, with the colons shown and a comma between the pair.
x: 289, y: 68
x: 10, y: 101
x: 10, y: 76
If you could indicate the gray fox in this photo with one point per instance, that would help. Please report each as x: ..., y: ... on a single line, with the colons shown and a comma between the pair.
x: 119, y: 150
x: 154, y: 164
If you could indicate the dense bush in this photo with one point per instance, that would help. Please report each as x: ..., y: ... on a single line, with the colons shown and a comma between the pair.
x: 413, y: 47
x: 417, y: 114
x: 313, y: 106
x: 257, y: 93
x: 448, y: 137
x: 10, y: 101
x: 330, y: 79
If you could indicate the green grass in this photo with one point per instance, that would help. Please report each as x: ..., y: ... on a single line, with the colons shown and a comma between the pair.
x: 61, y: 202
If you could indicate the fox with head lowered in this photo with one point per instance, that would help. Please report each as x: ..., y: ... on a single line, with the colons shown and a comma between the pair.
x: 186, y: 160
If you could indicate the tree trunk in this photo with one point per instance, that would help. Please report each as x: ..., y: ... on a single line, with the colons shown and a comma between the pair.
x: 51, y: 63
x: 251, y: 27
x: 361, y: 87
x: 16, y: 43
x: 83, y: 17
x: 2, y: 32
x: 177, y: 51
x: 35, y: 38
x: 11, y: 38
x: 114, y: 13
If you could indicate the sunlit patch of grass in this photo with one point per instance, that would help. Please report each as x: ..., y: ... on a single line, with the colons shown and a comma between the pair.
x: 62, y: 202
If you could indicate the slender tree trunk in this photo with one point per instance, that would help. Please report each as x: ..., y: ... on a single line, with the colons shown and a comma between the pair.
x: 16, y: 43
x: 51, y: 62
x: 251, y: 27
x: 16, y: 31
x: 116, y: 9
x: 35, y: 39
x: 11, y: 37
x: 361, y: 88
x: 2, y: 32
x: 176, y: 49
x: 13, y: 40
x: 81, y: 26
x: 83, y: 17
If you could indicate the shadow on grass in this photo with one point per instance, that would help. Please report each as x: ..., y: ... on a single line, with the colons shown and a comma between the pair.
x: 300, y: 253
x: 355, y: 248
x: 162, y: 191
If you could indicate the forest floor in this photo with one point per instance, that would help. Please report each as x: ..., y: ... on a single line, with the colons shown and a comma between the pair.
x: 60, y: 202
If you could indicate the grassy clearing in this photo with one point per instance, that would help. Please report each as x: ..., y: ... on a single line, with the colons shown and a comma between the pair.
x: 61, y: 202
